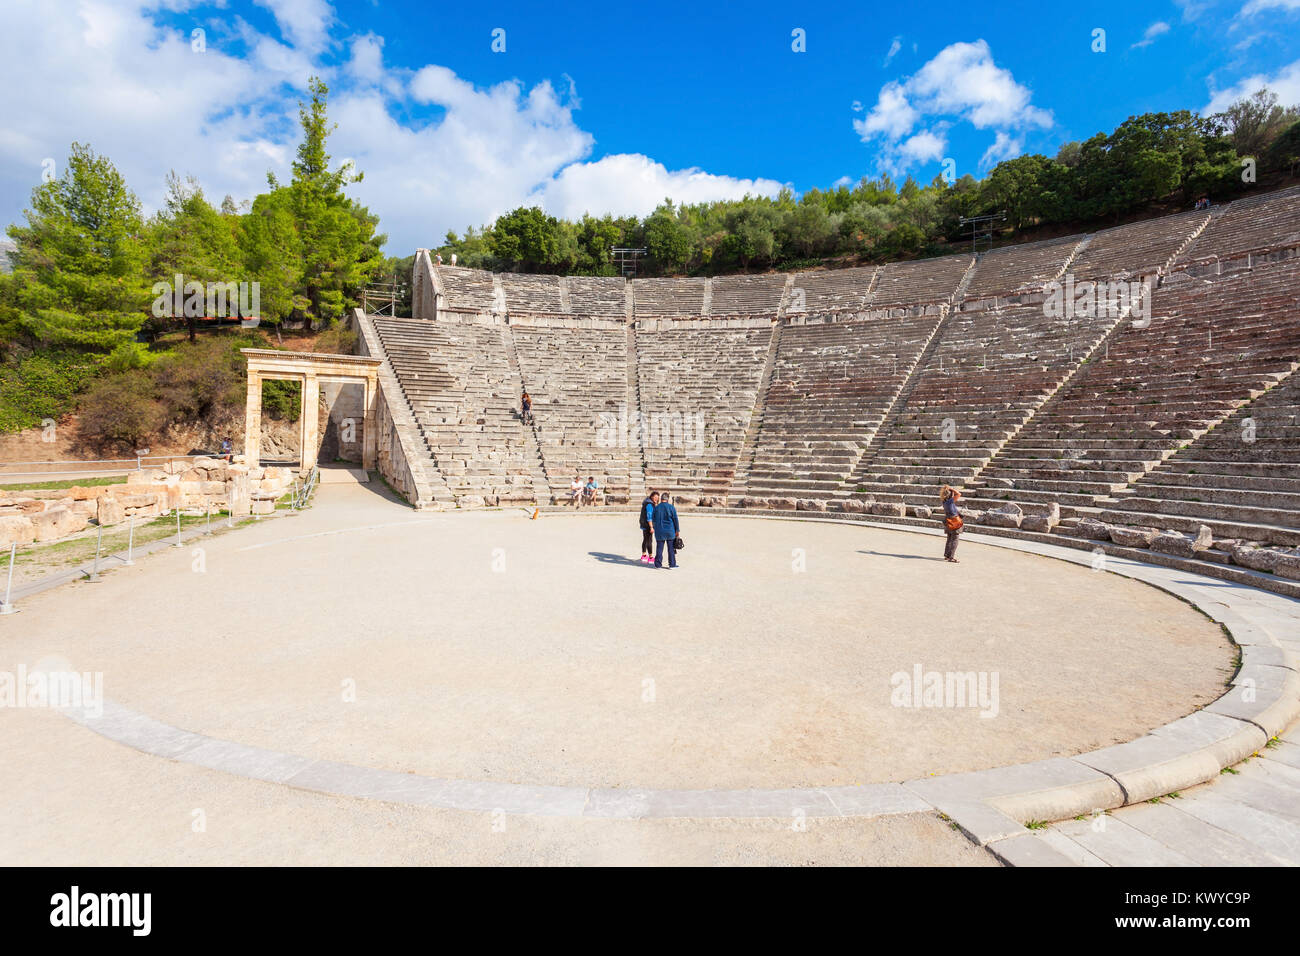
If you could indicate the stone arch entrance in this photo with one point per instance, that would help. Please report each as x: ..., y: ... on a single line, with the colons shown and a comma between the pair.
x: 312, y: 369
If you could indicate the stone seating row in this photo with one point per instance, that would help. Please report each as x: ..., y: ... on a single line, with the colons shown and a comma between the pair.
x: 987, y: 375
x: 831, y: 387
x: 1025, y: 267
x: 688, y: 378
x: 1210, y: 346
x: 1253, y: 224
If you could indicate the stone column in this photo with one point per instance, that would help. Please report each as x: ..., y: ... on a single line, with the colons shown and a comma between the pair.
x: 253, y: 417
x: 310, y: 420
x: 369, y: 430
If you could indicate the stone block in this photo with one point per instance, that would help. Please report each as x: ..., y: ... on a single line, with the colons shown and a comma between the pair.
x: 919, y: 511
x: 891, y: 509
x: 1256, y: 559
x: 57, y: 522
x: 1288, y: 566
x: 16, y: 529
x: 855, y: 505
x: 1092, y: 529
x: 1172, y: 542
x: 1005, y: 516
x: 1040, y: 523
x: 111, y: 510
x: 811, y: 504
x: 1132, y: 536
x: 782, y: 504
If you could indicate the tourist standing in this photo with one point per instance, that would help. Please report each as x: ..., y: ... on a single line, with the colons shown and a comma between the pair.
x: 952, y: 522
x: 646, y: 521
x: 667, y: 528
x: 526, y: 407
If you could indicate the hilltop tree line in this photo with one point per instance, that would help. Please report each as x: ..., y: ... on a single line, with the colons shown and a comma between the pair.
x: 78, y: 303
x: 1156, y: 159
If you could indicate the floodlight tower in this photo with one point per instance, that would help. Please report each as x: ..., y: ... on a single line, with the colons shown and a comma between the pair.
x: 626, y: 259
x: 981, y: 230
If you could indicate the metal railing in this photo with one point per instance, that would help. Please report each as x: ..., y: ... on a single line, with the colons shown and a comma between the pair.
x: 303, y: 495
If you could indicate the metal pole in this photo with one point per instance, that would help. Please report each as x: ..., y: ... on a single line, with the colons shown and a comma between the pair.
x: 130, y: 542
x: 178, y: 526
x: 94, y: 571
x: 208, y: 508
x: 7, y: 607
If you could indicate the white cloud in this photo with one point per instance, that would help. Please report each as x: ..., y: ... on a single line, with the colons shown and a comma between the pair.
x: 1285, y: 83
x: 1159, y: 28
x: 892, y: 115
x: 104, y: 72
x: 303, y: 23
x: 629, y: 184
x: 1005, y: 146
x: 961, y: 83
x: 1259, y: 6
x: 894, y: 47
x: 927, y: 145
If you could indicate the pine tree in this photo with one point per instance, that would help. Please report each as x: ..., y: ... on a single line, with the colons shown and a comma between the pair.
x: 78, y: 277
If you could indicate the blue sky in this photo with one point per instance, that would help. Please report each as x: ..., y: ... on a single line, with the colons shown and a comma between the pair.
x: 589, y: 108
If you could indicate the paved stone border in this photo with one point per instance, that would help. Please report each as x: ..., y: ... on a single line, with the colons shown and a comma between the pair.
x: 989, y: 806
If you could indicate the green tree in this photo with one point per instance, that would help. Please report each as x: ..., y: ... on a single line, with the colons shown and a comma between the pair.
x: 78, y: 279
x: 191, y: 239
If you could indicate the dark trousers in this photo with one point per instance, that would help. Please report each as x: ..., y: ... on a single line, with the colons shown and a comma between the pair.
x: 950, y: 550
x: 672, y: 552
x: 647, y: 541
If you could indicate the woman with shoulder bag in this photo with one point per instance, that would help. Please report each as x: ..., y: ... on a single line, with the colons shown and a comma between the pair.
x: 951, y: 521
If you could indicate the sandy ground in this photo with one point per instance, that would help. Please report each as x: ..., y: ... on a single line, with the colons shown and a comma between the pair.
x: 488, y: 646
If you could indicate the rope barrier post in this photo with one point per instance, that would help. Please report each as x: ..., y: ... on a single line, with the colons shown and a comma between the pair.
x: 178, y: 527
x: 7, y: 607
x: 293, y: 502
x: 94, y: 570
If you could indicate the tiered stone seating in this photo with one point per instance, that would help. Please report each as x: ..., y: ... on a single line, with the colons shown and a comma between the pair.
x: 1241, y: 479
x: 467, y: 290
x: 830, y: 290
x: 989, y: 373
x: 575, y: 376
x: 457, y: 380
x: 747, y: 295
x: 1138, y: 249
x: 1210, y: 345
x: 667, y: 297
x: 832, y: 384
x: 530, y: 293
x: 920, y: 281
x: 597, y: 295
x: 1255, y: 224
x: 1020, y: 268
x: 708, y: 372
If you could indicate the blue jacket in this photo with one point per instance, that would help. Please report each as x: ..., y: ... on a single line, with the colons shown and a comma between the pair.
x: 647, y: 513
x: 666, y: 523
